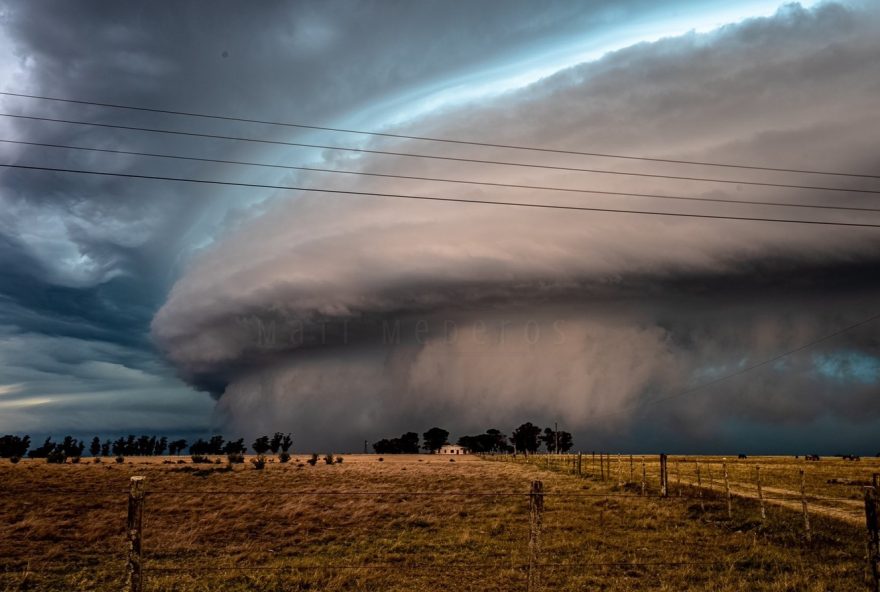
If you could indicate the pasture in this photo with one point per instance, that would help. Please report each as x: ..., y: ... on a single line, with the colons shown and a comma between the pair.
x: 422, y: 522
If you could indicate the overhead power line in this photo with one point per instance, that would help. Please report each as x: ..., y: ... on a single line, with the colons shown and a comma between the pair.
x: 436, y: 139
x: 436, y: 179
x: 433, y: 198
x: 435, y: 156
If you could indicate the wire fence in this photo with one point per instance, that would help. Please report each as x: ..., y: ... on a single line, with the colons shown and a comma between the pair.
x: 140, y: 566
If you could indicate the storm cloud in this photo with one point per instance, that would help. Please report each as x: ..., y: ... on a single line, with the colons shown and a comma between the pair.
x: 641, y: 307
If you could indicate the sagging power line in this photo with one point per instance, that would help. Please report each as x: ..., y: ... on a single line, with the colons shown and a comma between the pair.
x: 437, y: 139
x: 438, y: 157
x: 434, y: 198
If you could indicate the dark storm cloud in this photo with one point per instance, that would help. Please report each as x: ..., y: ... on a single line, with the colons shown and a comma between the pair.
x: 89, y: 259
x: 651, y: 306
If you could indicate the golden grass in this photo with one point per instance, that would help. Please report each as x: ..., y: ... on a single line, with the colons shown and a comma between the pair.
x: 70, y: 520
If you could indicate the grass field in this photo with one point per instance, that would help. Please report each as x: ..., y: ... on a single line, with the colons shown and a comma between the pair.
x: 417, y: 523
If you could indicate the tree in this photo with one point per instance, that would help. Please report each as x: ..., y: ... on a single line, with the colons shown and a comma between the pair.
x: 275, y: 442
x: 176, y: 447
x: 105, y: 448
x: 286, y: 443
x: 525, y: 438
x: 492, y: 441
x: 160, y: 447
x: 261, y: 445
x: 408, y: 443
x: 435, y: 438
x: 235, y: 447
x: 14, y: 446
x: 95, y: 447
x: 553, y: 438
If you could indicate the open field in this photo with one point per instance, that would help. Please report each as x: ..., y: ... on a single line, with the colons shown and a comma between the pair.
x: 418, y: 523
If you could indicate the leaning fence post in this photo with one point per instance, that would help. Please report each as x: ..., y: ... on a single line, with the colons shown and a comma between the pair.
x: 727, y: 489
x: 644, y: 477
x: 760, y: 493
x: 873, y: 540
x: 804, y: 506
x: 134, y: 533
x: 536, y: 508
x: 664, y: 477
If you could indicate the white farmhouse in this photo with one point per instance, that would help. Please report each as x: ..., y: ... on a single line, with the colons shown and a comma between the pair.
x: 453, y: 449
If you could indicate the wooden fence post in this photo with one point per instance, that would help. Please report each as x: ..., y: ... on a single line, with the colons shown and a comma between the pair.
x: 536, y: 509
x: 873, y: 540
x: 664, y: 477
x: 700, y: 487
x: 678, y: 477
x: 579, y: 464
x: 727, y: 489
x: 804, y: 506
x: 644, y: 478
x: 631, y: 479
x: 134, y: 533
x: 619, y: 471
x: 760, y: 493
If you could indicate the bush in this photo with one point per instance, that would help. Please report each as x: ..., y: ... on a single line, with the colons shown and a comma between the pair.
x: 200, y: 459
x: 328, y: 458
x: 74, y: 460
x: 284, y: 457
x: 259, y: 462
x: 339, y: 460
x: 120, y: 459
x: 381, y: 459
x: 313, y: 460
x: 96, y: 460
x: 14, y: 459
x: 56, y: 457
x: 235, y: 458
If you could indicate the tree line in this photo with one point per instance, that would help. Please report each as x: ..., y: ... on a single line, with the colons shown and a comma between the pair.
x: 526, y: 439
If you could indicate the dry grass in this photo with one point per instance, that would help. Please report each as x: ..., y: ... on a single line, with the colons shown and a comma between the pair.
x: 69, y: 520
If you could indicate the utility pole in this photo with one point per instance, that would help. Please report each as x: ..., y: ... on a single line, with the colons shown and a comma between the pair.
x: 556, y: 436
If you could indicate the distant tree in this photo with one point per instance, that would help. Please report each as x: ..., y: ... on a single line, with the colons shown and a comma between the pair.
x: 261, y: 445
x: 14, y: 446
x: 215, y: 444
x: 525, y: 438
x: 408, y: 443
x: 175, y: 447
x: 435, y: 438
x: 70, y: 446
x: 275, y: 442
x: 105, y: 448
x: 235, y: 447
x: 550, y: 439
x: 492, y: 441
x: 44, y: 450
x: 286, y: 443
x: 95, y: 446
x: 161, y: 446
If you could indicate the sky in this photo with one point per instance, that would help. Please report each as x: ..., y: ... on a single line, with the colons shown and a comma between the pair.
x: 139, y: 306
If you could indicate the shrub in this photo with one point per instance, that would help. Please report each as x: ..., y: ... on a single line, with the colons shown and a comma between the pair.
x: 259, y: 462
x: 284, y: 457
x: 200, y: 459
x: 14, y: 459
x: 313, y: 460
x: 328, y: 458
x: 381, y: 459
x: 235, y: 458
x: 74, y: 460
x: 96, y: 460
x: 120, y: 459
x: 56, y: 457
x: 339, y: 460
